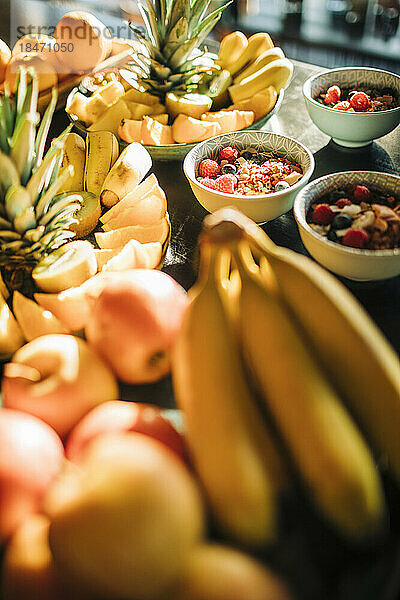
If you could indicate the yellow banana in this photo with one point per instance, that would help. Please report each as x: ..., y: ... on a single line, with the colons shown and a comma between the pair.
x: 232, y: 451
x: 128, y: 171
x: 325, y: 445
x: 257, y: 44
x: 263, y: 60
x: 101, y: 154
x: 232, y: 46
x: 278, y: 73
x: 73, y: 154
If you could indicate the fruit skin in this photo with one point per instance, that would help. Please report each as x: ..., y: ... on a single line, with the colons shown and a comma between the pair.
x: 278, y: 74
x: 31, y: 455
x: 209, y: 168
x: 233, y: 453
x: 134, y: 323
x: 256, y: 45
x: 87, y: 216
x: 119, y: 416
x: 73, y: 154
x: 101, y: 153
x: 356, y: 238
x: 322, y: 214
x: 127, y: 172
x: 137, y: 505
x: 332, y: 95
x: 231, y: 47
x: 340, y: 476
x: 57, y: 378
x: 216, y: 572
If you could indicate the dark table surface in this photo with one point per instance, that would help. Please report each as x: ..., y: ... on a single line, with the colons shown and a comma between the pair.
x: 317, y: 567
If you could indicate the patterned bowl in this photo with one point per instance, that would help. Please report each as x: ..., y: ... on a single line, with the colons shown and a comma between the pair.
x: 359, y: 265
x: 351, y: 129
x: 172, y: 151
x: 260, y: 208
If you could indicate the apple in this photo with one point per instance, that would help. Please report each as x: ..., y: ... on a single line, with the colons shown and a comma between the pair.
x: 135, y: 515
x: 134, y: 324
x: 57, y: 378
x: 123, y: 416
x: 31, y: 455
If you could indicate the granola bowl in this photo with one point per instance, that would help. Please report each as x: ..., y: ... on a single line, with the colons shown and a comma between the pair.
x: 259, y: 207
x: 353, y: 263
x: 349, y: 128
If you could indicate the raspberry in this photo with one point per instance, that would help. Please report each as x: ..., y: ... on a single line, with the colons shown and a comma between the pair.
x: 361, y: 193
x: 342, y: 202
x: 209, y: 168
x: 230, y: 154
x: 208, y: 182
x: 355, y: 238
x: 359, y: 101
x: 343, y: 105
x: 226, y: 183
x: 332, y: 95
x: 322, y: 214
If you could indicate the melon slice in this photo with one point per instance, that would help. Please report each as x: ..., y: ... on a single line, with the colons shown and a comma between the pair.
x: 138, y: 111
x: 135, y: 255
x: 143, y: 233
x: 162, y: 118
x: 103, y: 255
x: 141, y: 190
x: 261, y: 103
x: 227, y: 119
x: 187, y: 130
x: 146, y: 211
x: 244, y: 118
x: 193, y: 105
x: 112, y: 117
x: 155, y: 133
x: 35, y: 320
x: 134, y: 95
x: 129, y: 130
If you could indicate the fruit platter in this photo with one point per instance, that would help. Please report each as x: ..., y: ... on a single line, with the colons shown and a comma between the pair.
x: 229, y: 436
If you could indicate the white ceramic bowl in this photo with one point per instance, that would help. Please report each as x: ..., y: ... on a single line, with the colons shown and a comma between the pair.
x: 260, y: 208
x: 359, y: 265
x: 351, y: 129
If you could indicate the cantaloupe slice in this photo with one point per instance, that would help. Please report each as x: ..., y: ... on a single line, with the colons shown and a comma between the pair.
x: 35, y: 320
x: 187, y: 130
x: 140, y: 191
x: 244, y: 118
x: 135, y: 255
x: 162, y: 118
x: 227, y: 119
x: 134, y: 95
x: 104, y: 254
x: 146, y: 211
x: 112, y: 117
x: 129, y: 130
x: 144, y: 234
x: 261, y: 103
x: 154, y: 133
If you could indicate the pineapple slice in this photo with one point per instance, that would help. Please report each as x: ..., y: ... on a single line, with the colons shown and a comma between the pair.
x: 134, y: 95
x: 193, y: 105
x: 112, y: 117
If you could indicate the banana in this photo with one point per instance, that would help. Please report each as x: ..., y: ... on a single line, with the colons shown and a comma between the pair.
x: 101, y: 154
x: 128, y: 171
x: 263, y: 60
x: 325, y: 445
x: 349, y: 346
x: 232, y: 451
x: 257, y: 44
x: 232, y: 46
x: 74, y: 154
x: 278, y: 74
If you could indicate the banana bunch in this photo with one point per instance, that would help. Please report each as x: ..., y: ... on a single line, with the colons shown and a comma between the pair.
x: 254, y: 65
x: 330, y: 391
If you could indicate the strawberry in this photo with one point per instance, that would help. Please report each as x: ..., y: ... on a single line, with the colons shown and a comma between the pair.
x: 322, y: 214
x: 226, y: 183
x: 361, y: 193
x: 230, y: 154
x: 208, y: 182
x: 342, y: 202
x: 355, y: 238
x: 332, y: 95
x: 343, y: 105
x: 359, y: 101
x: 209, y: 168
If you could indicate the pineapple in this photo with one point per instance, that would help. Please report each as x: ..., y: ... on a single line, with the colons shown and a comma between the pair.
x: 33, y: 222
x: 171, y: 59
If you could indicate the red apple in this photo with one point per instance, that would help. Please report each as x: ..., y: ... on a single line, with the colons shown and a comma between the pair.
x: 31, y: 455
x: 134, y: 324
x: 123, y: 416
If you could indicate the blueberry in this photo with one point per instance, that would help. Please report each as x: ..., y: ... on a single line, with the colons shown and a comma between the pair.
x: 332, y: 235
x: 341, y: 222
x: 229, y: 168
x: 281, y: 185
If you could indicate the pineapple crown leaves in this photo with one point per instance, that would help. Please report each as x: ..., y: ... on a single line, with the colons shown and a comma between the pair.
x: 33, y: 219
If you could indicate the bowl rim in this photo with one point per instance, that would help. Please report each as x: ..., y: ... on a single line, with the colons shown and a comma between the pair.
x: 308, y: 97
x: 347, y: 250
x: 251, y: 197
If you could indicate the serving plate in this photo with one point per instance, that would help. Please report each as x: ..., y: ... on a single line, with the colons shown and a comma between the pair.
x: 173, y: 151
